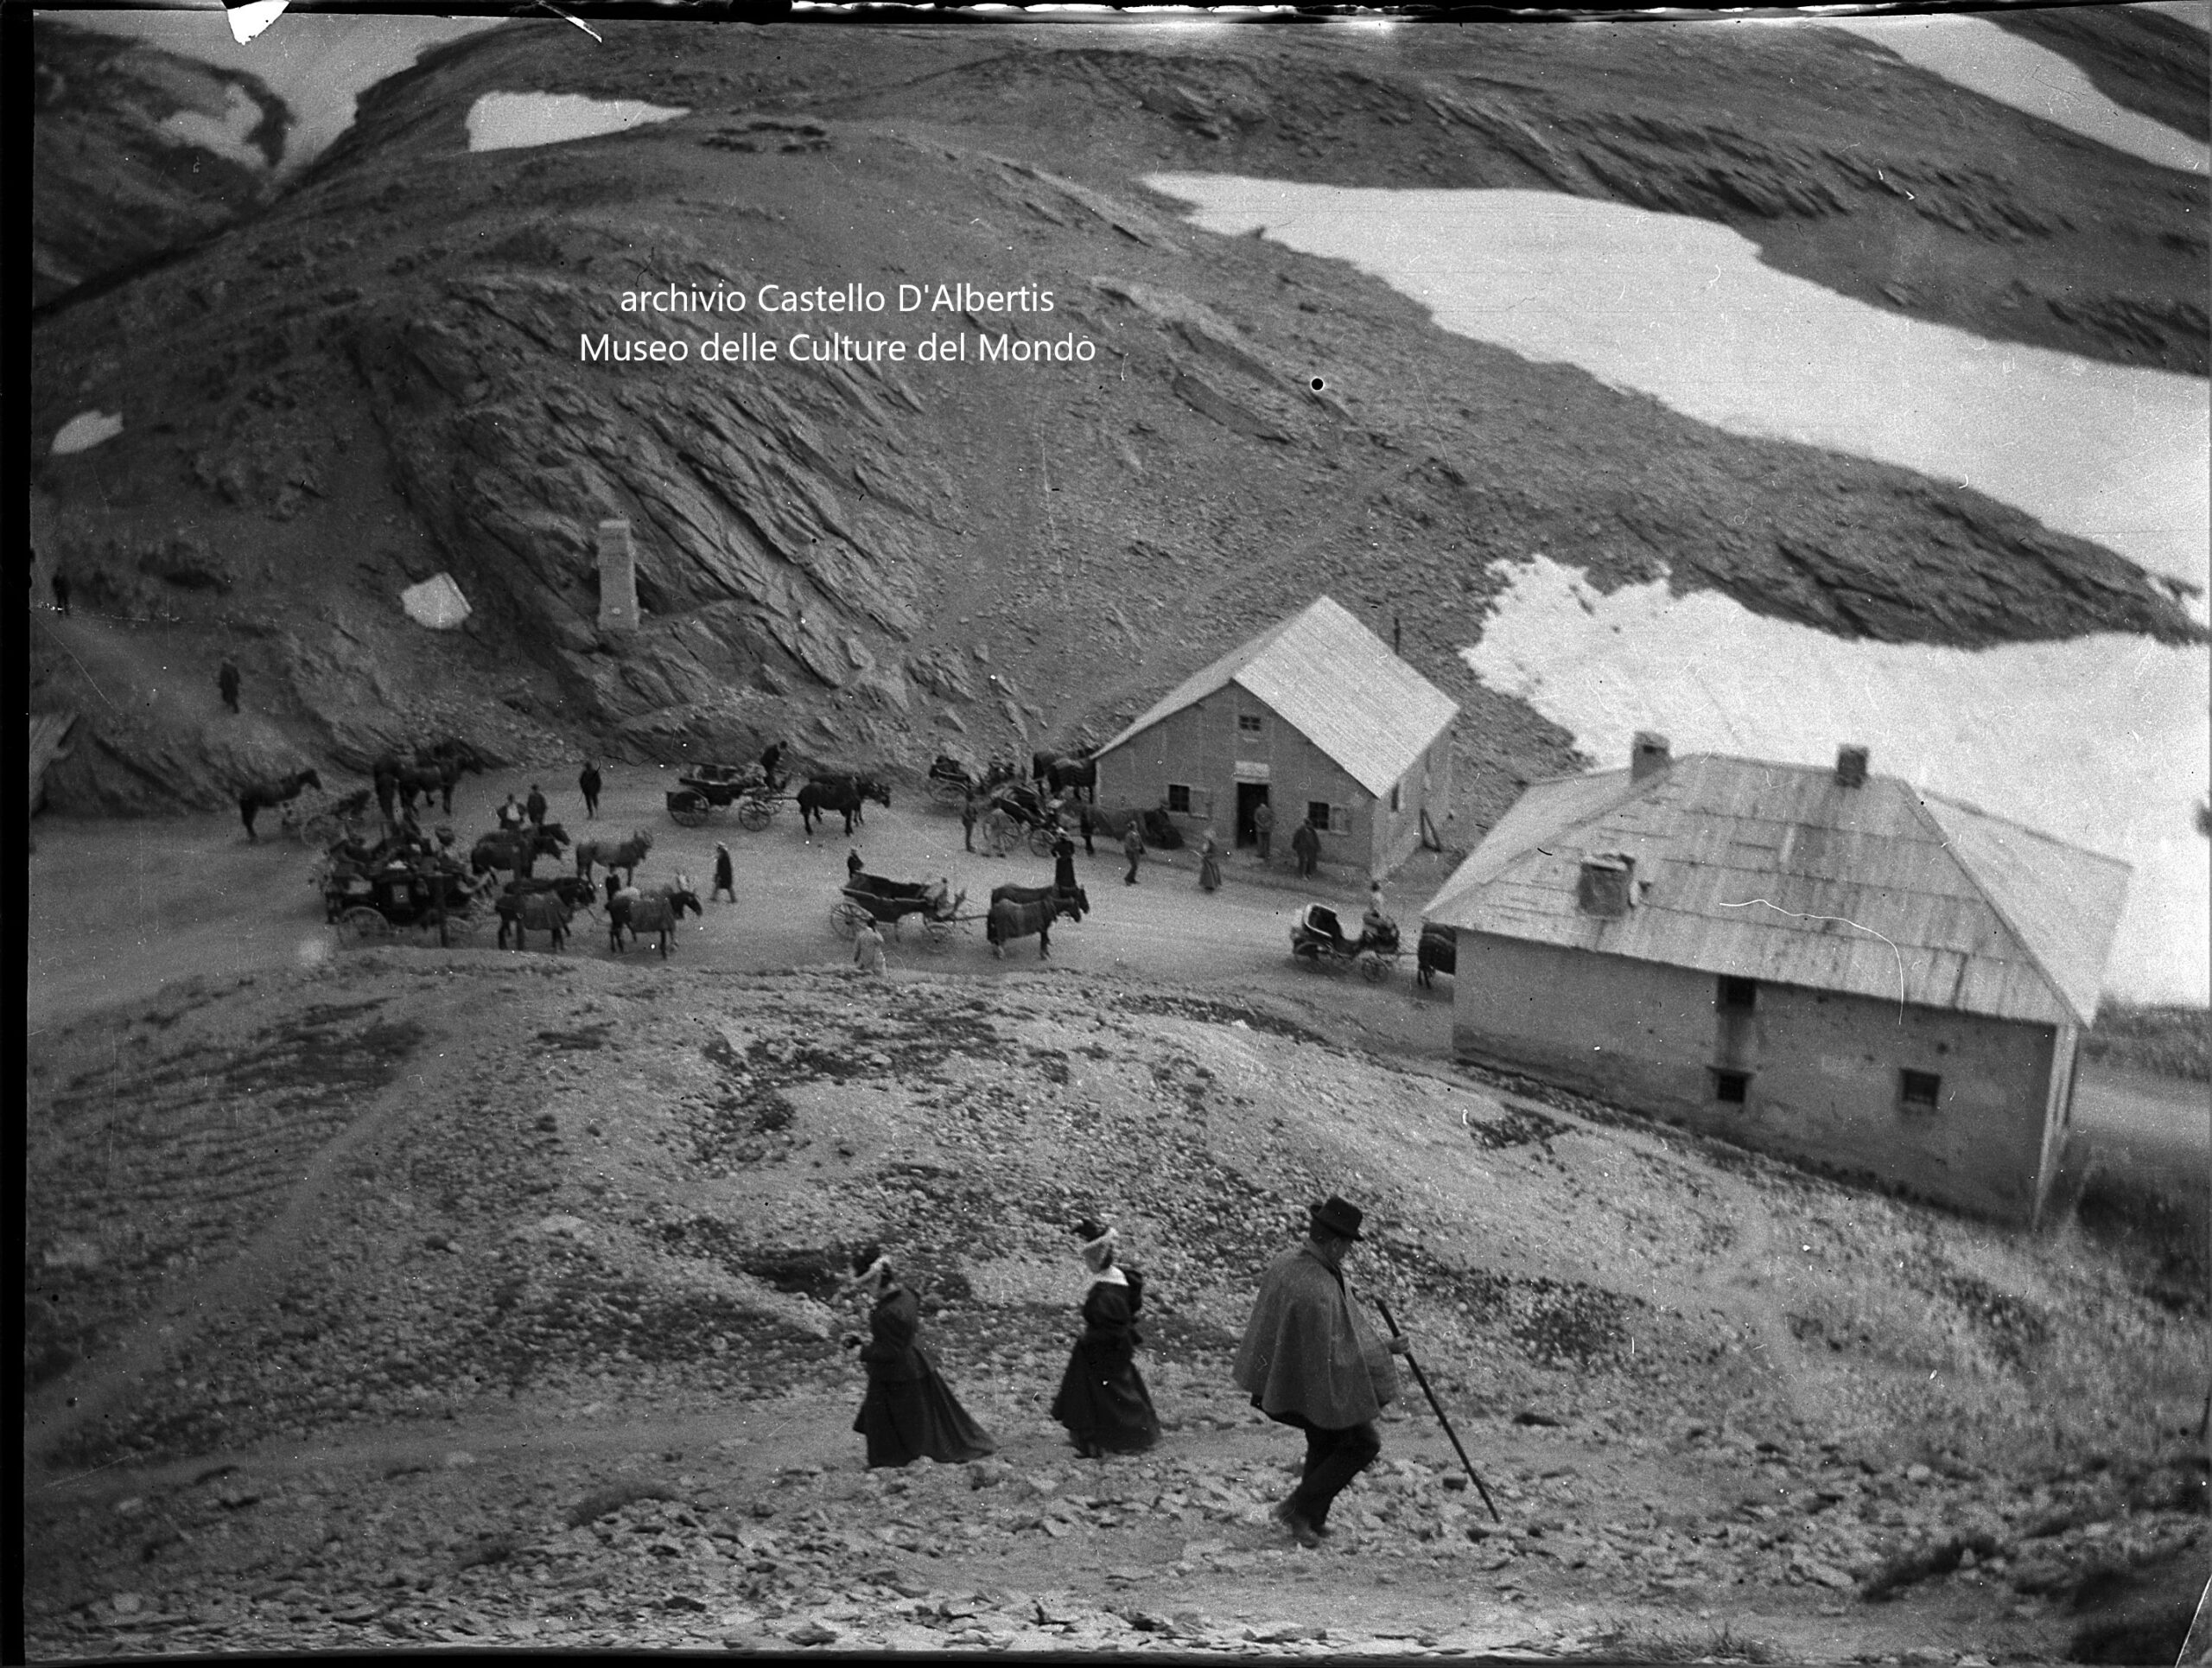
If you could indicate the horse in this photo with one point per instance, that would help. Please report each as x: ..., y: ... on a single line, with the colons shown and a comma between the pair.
x: 516, y: 914
x: 517, y: 849
x: 823, y: 794
x: 1063, y: 771
x: 1437, y: 952
x: 1009, y: 921
x: 1079, y: 898
x: 625, y: 855
x: 657, y: 911
x: 546, y: 912
x: 261, y: 796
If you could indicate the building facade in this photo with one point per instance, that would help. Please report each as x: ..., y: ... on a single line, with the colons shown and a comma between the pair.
x: 1828, y: 966
x: 1313, y: 718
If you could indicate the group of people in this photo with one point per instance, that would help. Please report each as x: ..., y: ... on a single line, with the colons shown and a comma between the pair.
x: 1308, y: 1359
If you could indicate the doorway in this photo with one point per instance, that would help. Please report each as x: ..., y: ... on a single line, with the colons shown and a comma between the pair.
x: 1249, y: 797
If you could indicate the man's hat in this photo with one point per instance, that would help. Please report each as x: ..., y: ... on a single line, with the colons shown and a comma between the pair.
x: 1338, y: 1217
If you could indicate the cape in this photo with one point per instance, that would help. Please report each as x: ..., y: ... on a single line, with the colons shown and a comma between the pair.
x: 1306, y: 1351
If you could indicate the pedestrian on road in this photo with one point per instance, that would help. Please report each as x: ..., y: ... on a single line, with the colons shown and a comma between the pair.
x: 226, y: 681
x: 1264, y: 827
x: 1083, y: 818
x: 910, y: 1412
x: 998, y: 831
x: 968, y: 819
x: 854, y: 867
x: 1063, y: 879
x: 725, y: 876
x: 60, y: 592
x: 1132, y: 848
x: 868, y: 955
x: 1309, y: 1361
x: 1209, y: 862
x: 511, y: 815
x: 588, y: 780
x: 1102, y: 1400
x: 1307, y: 844
x: 535, y: 806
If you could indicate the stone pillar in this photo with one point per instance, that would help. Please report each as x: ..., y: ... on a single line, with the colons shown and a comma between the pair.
x: 618, y: 577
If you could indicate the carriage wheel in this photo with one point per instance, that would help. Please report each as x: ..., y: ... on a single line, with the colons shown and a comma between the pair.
x: 1373, y: 966
x: 319, y: 829
x: 1042, y: 839
x: 362, y: 925
x: 690, y: 816
x: 847, y: 918
x: 753, y: 816
x: 945, y: 790
x: 940, y: 933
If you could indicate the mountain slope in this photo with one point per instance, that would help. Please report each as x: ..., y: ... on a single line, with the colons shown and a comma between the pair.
x: 382, y: 376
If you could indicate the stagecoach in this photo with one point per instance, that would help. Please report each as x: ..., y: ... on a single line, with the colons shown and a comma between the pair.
x: 375, y: 905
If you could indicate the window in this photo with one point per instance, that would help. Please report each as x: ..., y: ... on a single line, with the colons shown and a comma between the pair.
x: 1178, y: 798
x: 1316, y: 812
x: 1732, y: 1087
x: 1247, y: 723
x: 1737, y: 995
x: 1918, y: 1091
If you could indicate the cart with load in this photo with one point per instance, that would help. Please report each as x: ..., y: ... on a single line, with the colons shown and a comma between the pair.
x: 710, y: 788
x: 1318, y: 936
x: 872, y: 898
x: 375, y: 905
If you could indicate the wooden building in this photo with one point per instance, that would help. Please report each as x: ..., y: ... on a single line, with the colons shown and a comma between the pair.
x: 1314, y: 717
x: 1820, y: 963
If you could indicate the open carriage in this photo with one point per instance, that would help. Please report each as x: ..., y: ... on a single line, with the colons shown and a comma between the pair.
x: 709, y: 789
x: 1318, y: 936
x: 427, y: 898
x: 871, y: 897
x: 1039, y: 817
x: 952, y: 780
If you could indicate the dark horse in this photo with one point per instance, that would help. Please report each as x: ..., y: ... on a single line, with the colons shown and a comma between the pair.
x: 1063, y: 771
x: 1079, y: 898
x: 258, y: 798
x: 517, y: 849
x: 436, y: 770
x: 1009, y: 921
x: 518, y: 914
x: 825, y: 794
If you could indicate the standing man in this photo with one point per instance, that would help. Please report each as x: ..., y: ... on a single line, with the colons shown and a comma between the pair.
x: 588, y: 781
x: 1307, y: 844
x: 1264, y: 827
x: 854, y: 866
x: 534, y: 807
x: 227, y: 680
x: 968, y: 819
x: 1309, y: 1362
x: 1083, y: 818
x: 725, y: 876
x: 510, y: 816
x: 1064, y: 881
x: 1132, y: 848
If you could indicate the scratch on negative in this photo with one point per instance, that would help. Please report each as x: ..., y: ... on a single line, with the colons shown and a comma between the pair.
x: 1794, y: 915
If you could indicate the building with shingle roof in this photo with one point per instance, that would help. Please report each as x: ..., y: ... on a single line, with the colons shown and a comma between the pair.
x: 1820, y: 962
x: 1314, y: 718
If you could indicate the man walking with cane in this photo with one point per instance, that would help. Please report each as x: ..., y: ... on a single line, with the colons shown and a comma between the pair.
x: 1309, y: 1361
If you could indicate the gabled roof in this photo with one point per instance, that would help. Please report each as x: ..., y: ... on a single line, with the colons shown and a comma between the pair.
x: 1334, y: 681
x: 1775, y: 872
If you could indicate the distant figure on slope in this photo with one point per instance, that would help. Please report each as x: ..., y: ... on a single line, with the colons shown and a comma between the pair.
x: 1102, y: 1400
x: 226, y: 681
x: 910, y: 1412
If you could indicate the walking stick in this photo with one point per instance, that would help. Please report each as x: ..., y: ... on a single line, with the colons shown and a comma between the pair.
x: 1421, y: 1378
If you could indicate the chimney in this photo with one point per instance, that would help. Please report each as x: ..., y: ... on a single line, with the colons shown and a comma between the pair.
x: 1646, y: 754
x: 1851, y: 767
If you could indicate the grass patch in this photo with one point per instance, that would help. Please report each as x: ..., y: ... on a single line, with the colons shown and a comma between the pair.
x: 2168, y: 1041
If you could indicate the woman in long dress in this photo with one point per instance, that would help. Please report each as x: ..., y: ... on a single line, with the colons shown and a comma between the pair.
x: 1102, y: 1400
x: 1209, y: 862
x: 909, y: 1412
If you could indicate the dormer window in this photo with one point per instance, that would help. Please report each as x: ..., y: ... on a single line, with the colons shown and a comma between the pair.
x: 1606, y: 887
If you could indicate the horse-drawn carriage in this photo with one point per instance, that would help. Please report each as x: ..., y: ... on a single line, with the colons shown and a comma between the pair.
x: 1031, y: 812
x: 1318, y: 936
x: 430, y: 897
x: 952, y: 781
x: 870, y: 897
x: 709, y: 789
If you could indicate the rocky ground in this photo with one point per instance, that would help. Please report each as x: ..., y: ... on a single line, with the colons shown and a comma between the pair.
x: 375, y: 378
x: 467, y: 1297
